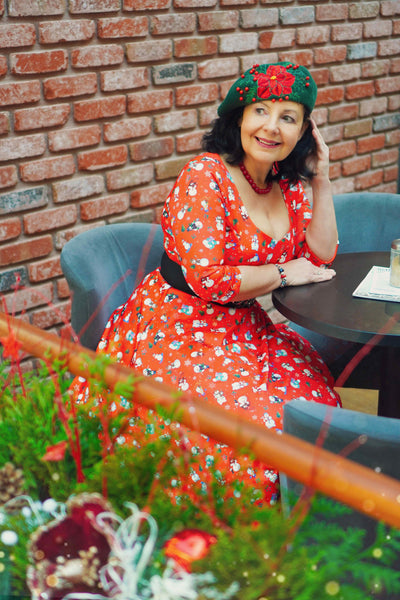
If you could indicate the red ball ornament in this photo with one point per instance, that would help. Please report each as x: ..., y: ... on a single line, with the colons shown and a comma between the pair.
x: 189, y: 545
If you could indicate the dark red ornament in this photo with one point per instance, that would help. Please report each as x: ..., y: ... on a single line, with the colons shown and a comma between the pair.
x: 189, y: 545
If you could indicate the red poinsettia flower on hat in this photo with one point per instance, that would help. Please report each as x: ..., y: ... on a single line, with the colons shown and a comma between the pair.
x: 277, y: 81
x: 68, y: 553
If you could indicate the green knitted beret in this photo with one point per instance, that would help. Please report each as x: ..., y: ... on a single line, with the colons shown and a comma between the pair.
x: 276, y: 81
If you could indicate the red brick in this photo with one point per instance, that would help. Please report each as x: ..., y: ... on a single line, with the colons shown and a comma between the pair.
x: 317, y: 34
x: 396, y: 27
x: 22, y: 147
x: 124, y: 79
x: 374, y: 29
x: 32, y: 63
x: 99, y: 108
x: 23, y: 300
x: 93, y: 6
x: 330, y: 95
x: 371, y: 143
x: 62, y: 289
x: 149, y: 51
x: 93, y: 160
x: 389, y: 47
x: 8, y: 176
x: 3, y: 65
x: 42, y: 270
x: 207, y: 114
x: 330, y: 54
x: 395, y: 64
x: 128, y: 178
x: 355, y: 165
x: 127, y: 129
x: 189, y: 142
x: 146, y: 4
x: 151, y: 149
x: 47, y: 168
x: 17, y: 34
x: 391, y: 173
x: 332, y: 12
x: 97, y: 56
x: 70, y: 86
x: 219, y: 67
x: 385, y: 157
x: 363, y: 10
x: 35, y: 8
x: 26, y: 250
x: 218, y: 20
x: 343, y: 113
x: 122, y: 27
x: 174, y: 121
x: 358, y: 128
x: 393, y: 137
x: 41, y: 117
x: 335, y: 171
x: 389, y: 85
x: 195, y: 46
x: 171, y: 168
x: 298, y: 57
x: 390, y: 8
x: 342, y: 150
x: 103, y: 207
x: 75, y: 189
x: 332, y: 133
x: 24, y: 92
x: 344, y: 185
x: 172, y: 24
x: 10, y: 229
x: 321, y: 76
x: 345, y: 73
x: 150, y: 101
x: 346, y: 32
x: 150, y: 196
x: 46, y: 220
x: 52, y: 315
x: 355, y: 91
x: 280, y: 38
x: 4, y: 123
x: 368, y: 180
x: 394, y: 102
x: 56, y: 32
x: 196, y: 94
x: 197, y: 4
x: 67, y: 139
x: 376, y: 68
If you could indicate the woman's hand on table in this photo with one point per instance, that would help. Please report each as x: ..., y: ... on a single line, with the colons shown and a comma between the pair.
x: 301, y: 271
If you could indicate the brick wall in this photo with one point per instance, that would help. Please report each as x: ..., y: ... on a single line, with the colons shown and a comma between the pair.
x: 103, y: 101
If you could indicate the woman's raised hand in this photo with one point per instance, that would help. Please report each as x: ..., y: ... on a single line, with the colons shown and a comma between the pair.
x: 319, y: 161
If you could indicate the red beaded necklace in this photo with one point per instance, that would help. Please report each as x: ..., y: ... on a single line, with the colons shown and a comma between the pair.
x: 253, y: 184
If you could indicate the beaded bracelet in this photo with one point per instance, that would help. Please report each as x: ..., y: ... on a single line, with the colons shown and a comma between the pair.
x: 282, y: 274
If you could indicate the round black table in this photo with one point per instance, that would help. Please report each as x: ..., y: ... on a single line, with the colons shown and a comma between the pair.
x: 329, y: 308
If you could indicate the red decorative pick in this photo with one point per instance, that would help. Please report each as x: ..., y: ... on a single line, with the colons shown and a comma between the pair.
x: 56, y: 452
x: 189, y: 545
x: 11, y: 346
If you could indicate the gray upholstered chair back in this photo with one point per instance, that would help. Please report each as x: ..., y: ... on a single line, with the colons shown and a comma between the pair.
x: 378, y: 447
x: 367, y: 222
x: 102, y: 267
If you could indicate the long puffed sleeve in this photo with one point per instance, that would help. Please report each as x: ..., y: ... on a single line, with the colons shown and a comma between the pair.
x: 195, y: 229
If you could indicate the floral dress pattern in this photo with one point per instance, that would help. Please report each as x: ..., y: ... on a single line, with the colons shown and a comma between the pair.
x: 233, y: 356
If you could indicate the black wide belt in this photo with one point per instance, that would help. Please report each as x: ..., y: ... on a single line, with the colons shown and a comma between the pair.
x: 173, y: 275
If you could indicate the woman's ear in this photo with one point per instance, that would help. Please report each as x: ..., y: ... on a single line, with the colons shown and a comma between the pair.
x: 305, y: 126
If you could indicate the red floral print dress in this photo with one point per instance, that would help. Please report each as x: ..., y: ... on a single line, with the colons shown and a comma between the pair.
x: 232, y: 356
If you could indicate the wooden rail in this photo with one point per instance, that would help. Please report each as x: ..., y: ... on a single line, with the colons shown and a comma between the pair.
x: 357, y: 486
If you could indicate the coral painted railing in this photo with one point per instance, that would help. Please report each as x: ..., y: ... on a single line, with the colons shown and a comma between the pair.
x: 352, y: 484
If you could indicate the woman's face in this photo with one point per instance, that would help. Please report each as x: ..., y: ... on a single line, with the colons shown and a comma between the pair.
x: 270, y: 130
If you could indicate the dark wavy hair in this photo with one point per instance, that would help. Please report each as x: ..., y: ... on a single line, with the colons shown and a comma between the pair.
x: 224, y: 139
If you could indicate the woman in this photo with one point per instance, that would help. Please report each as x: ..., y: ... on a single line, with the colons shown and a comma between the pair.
x: 237, y: 225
